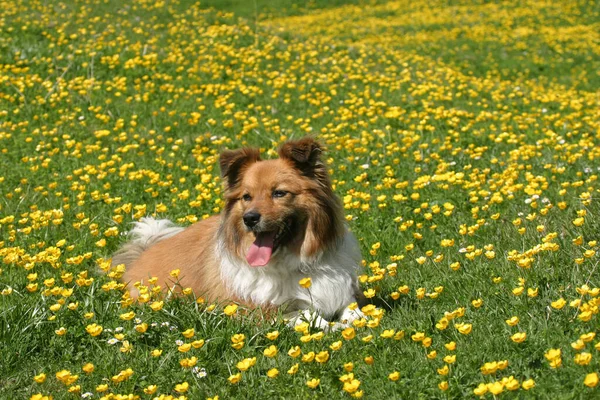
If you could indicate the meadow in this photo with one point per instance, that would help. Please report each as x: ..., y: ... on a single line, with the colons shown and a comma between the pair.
x: 462, y: 138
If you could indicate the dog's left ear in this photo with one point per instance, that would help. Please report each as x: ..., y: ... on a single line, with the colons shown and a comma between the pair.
x: 233, y: 163
x: 305, y: 154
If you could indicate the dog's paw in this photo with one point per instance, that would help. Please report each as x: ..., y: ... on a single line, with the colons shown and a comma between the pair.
x: 350, y: 315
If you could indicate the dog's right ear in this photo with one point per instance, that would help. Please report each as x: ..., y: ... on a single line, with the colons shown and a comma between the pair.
x: 233, y: 162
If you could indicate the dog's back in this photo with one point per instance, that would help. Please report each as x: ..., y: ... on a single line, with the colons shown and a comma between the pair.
x: 145, y: 233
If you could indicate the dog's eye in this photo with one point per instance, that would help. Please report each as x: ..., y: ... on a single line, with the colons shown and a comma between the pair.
x: 279, y: 193
x: 246, y: 197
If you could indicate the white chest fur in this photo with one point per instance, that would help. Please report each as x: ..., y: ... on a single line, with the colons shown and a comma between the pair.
x: 333, y: 278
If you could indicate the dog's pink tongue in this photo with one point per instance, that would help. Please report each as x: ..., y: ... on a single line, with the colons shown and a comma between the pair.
x: 260, y: 251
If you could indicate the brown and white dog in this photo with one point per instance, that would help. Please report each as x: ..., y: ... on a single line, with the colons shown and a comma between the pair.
x: 281, y: 222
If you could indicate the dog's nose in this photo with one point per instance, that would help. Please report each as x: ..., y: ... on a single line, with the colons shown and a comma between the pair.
x: 251, y: 218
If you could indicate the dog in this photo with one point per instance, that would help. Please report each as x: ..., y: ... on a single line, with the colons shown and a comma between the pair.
x: 281, y: 222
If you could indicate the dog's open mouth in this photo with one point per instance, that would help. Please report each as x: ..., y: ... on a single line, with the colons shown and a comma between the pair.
x: 262, y: 249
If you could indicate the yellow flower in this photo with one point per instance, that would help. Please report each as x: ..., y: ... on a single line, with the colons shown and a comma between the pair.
x: 554, y: 357
x: 127, y: 316
x: 511, y: 383
x: 197, y: 344
x: 294, y: 352
x: 246, y: 363
x: 188, y: 333
x: 465, y: 329
x: 582, y: 358
x: 188, y: 362
x: 175, y: 273
x: 141, y: 328
x: 88, y: 368
x: 444, y: 370
x: 305, y: 282
x: 40, y: 378
x: 367, y: 338
x: 450, y: 359
x: 313, y: 383
x: 157, y: 305
x: 585, y: 316
x: 351, y: 386
x: 156, y: 353
x: 308, y: 357
x: 512, y: 321
x: 335, y: 346
x: 587, y: 337
x: 451, y: 346
x: 518, y: 290
x: 182, y: 387
x: 519, y: 337
x: 591, y: 380
x: 477, y: 303
x: 495, y: 388
x: 233, y: 379
x: 270, y: 351
x: 558, y: 304
x: 61, y: 331
x: 394, y: 376
x: 230, y: 310
x: 293, y: 369
x: 322, y: 357
x: 443, y: 385
x: 184, y: 348
x: 273, y: 373
x: 578, y: 344
x: 150, y: 389
x: 272, y: 335
x: 348, y: 333
x: 370, y: 293
x: 528, y: 384
x: 102, y: 388
x: 126, y: 347
x: 94, y: 329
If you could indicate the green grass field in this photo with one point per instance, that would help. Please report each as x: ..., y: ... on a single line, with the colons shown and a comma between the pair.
x: 461, y: 136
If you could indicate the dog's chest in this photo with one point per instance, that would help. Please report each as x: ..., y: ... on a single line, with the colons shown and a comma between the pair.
x: 275, y: 285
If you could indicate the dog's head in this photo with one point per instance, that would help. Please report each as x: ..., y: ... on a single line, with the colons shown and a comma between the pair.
x: 281, y: 205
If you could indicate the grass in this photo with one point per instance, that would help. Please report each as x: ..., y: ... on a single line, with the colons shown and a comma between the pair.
x: 462, y: 137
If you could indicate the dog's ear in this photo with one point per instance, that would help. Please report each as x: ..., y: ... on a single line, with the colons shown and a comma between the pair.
x: 305, y: 154
x: 233, y: 162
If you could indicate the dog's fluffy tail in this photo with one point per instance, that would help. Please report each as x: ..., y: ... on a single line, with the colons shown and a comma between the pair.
x: 144, y: 234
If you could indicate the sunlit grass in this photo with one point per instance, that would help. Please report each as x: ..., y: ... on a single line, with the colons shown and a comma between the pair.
x: 462, y: 139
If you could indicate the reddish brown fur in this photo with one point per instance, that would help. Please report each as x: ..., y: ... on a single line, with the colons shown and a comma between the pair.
x: 309, y: 200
